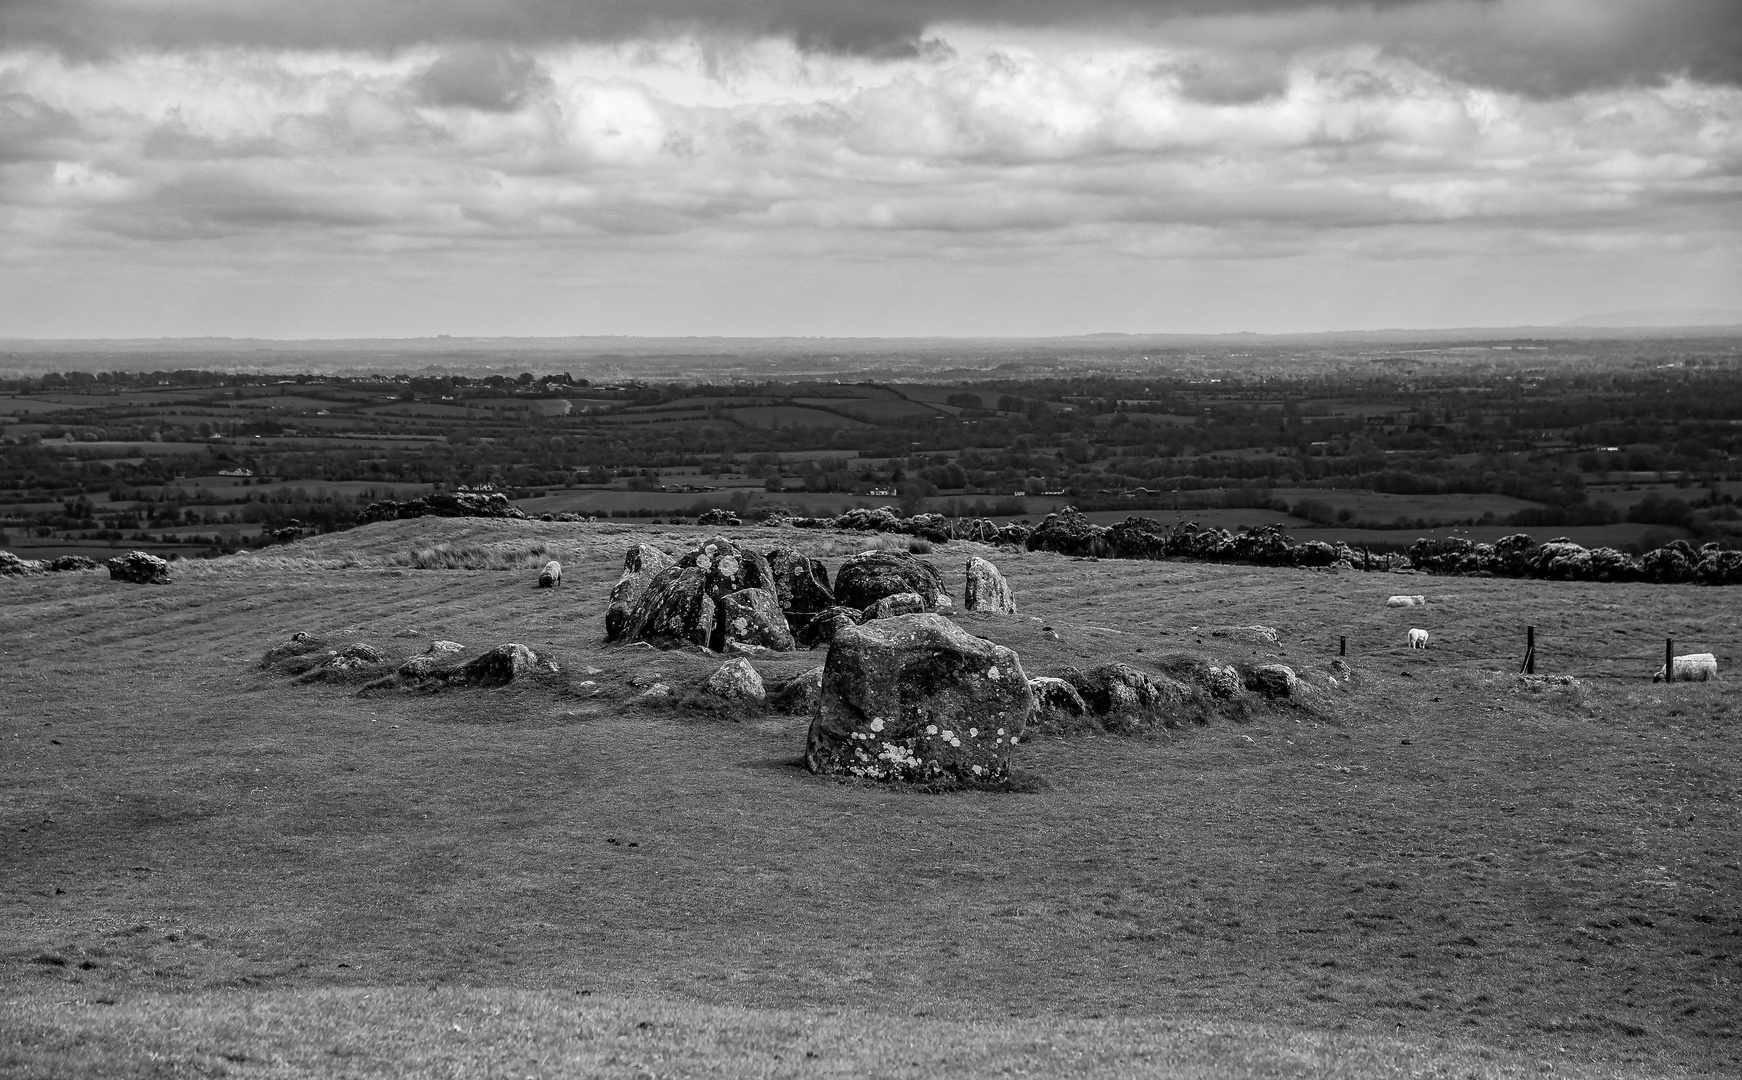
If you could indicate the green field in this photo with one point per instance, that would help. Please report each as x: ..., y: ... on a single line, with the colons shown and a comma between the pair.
x: 1380, y: 507
x: 31, y: 405
x: 793, y: 416
x: 875, y: 410
x: 1440, y: 870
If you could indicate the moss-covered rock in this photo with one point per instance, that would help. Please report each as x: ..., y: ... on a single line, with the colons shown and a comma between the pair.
x: 800, y: 583
x: 1126, y: 699
x: 869, y: 576
x: 986, y: 589
x: 750, y: 617
x: 640, y: 563
x: 674, y: 609
x: 918, y: 698
x: 727, y: 568
x: 822, y: 627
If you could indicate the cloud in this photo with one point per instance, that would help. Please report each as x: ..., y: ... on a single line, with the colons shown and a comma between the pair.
x: 1003, y: 145
x: 1535, y: 46
x: 484, y: 77
x: 1047, y: 155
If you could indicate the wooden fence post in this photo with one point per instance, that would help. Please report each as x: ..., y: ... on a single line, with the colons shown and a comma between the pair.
x: 1669, y: 660
x: 1529, y: 665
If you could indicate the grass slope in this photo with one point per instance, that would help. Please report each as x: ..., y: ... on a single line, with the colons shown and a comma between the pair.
x: 209, y: 869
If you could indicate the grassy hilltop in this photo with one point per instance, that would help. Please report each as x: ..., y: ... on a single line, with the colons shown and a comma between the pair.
x: 1448, y: 871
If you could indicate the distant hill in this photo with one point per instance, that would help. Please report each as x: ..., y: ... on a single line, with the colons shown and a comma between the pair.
x: 1663, y: 317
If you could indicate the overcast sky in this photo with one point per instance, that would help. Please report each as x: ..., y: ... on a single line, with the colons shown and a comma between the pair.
x: 326, y: 168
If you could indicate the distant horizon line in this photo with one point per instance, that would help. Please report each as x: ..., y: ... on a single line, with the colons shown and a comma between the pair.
x: 1578, y: 328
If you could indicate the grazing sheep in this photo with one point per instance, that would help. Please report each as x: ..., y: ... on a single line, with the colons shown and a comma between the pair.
x: 1406, y: 601
x: 1694, y: 667
x: 551, y: 576
x: 1418, y: 639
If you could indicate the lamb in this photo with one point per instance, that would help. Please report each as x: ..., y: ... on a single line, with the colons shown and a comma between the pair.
x: 1694, y: 667
x: 1406, y: 601
x: 1418, y: 639
x: 551, y: 576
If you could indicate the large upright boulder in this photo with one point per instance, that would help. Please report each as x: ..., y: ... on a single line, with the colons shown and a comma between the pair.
x: 726, y: 567
x: 916, y: 697
x: 750, y: 617
x: 674, y: 609
x: 869, y: 576
x: 640, y: 563
x: 986, y: 589
x: 800, y: 583
x: 140, y: 568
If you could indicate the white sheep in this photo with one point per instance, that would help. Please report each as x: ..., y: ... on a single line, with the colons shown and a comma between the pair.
x: 551, y: 576
x: 1418, y: 639
x: 1694, y: 667
x: 1406, y: 601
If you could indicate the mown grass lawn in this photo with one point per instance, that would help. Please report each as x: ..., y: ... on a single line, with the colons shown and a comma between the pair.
x: 1444, y: 871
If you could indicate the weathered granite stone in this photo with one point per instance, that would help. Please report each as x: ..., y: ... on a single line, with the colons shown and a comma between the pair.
x: 906, y: 603
x: 1273, y: 680
x: 801, y: 583
x: 750, y: 617
x: 726, y: 567
x: 986, y: 589
x: 736, y: 680
x: 822, y: 627
x: 1128, y: 699
x: 916, y: 697
x: 869, y: 576
x: 640, y: 563
x: 674, y: 609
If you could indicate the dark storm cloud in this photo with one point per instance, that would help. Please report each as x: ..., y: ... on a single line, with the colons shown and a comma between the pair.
x: 1539, y: 48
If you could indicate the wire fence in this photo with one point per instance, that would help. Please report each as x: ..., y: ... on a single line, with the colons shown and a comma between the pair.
x: 1567, y: 658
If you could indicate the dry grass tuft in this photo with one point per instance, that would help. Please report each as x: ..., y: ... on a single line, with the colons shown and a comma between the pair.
x: 504, y: 556
x: 251, y: 564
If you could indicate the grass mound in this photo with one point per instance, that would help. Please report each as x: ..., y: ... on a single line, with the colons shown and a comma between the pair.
x: 1450, y: 871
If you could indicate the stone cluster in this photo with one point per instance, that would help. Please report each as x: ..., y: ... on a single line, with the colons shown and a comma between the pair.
x: 726, y: 597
